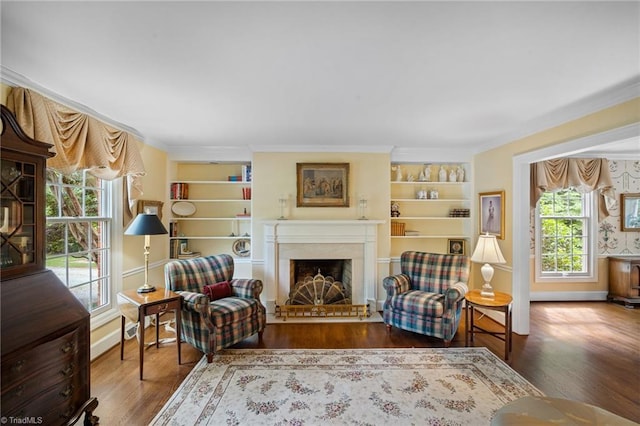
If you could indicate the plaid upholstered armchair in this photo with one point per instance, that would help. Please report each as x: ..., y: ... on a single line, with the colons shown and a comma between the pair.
x: 217, y: 310
x: 427, y: 296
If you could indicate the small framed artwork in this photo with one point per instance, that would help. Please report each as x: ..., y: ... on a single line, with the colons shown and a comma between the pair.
x: 455, y: 246
x: 491, y: 206
x: 322, y: 185
x: 150, y: 207
x: 630, y: 212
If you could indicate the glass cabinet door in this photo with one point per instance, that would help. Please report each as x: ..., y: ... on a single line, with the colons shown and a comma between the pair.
x: 17, y: 213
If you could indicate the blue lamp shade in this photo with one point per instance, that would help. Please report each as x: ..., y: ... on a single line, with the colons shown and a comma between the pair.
x: 146, y: 224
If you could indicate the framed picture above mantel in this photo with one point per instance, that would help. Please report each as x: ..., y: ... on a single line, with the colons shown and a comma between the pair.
x: 322, y: 184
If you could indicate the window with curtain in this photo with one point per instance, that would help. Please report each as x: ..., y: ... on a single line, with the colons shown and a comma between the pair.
x: 78, y: 235
x: 565, y: 236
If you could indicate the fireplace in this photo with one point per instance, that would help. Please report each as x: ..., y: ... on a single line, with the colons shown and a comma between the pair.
x: 320, y: 282
x: 351, y: 241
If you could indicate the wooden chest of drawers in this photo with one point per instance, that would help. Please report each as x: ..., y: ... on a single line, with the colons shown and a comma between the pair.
x: 624, y: 279
x: 45, y: 352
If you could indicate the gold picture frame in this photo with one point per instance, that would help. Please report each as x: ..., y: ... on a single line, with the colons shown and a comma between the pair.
x: 630, y: 212
x: 322, y: 184
x: 491, y: 206
x: 455, y: 246
x: 150, y: 207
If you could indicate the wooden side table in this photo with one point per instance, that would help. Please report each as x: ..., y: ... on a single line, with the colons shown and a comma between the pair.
x: 136, y: 306
x: 500, y: 302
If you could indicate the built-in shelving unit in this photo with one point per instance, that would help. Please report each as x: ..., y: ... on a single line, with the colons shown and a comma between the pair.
x: 217, y: 218
x: 431, y: 212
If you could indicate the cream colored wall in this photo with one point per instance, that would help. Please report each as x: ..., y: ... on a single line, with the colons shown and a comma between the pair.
x: 155, y: 188
x: 493, y: 171
x: 274, y: 174
x: 601, y: 285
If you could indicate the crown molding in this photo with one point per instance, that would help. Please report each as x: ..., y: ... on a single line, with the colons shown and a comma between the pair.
x: 439, y: 155
x: 14, y: 79
x: 370, y: 149
x: 205, y: 154
x: 607, y: 98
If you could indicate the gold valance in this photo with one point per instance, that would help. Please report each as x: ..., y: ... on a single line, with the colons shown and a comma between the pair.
x: 80, y: 141
x: 583, y: 174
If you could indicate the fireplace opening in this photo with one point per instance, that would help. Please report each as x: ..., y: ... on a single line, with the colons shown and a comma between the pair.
x: 320, y: 282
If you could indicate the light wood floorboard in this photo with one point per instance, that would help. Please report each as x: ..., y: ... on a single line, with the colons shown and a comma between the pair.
x: 585, y: 351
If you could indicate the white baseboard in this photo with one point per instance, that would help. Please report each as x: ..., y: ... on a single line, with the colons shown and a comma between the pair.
x: 103, y: 345
x: 568, y: 296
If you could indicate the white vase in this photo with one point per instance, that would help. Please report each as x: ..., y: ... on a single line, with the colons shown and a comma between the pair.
x: 442, y: 174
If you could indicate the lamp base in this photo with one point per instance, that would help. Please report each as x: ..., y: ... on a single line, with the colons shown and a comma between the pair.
x: 487, y: 291
x: 146, y: 289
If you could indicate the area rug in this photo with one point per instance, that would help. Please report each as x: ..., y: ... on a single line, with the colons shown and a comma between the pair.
x: 454, y: 386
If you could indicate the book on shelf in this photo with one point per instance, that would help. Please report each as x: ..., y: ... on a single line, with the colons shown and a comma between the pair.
x: 189, y: 255
x: 179, y: 191
x: 173, y: 229
x: 246, y: 173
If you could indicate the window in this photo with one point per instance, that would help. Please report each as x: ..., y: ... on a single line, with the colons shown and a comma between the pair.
x: 565, y: 234
x: 78, y: 249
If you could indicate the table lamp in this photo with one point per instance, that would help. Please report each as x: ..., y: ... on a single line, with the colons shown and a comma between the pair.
x: 146, y: 224
x: 487, y: 251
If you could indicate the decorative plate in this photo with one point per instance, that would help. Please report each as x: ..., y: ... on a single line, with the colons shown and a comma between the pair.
x: 242, y: 247
x: 183, y: 208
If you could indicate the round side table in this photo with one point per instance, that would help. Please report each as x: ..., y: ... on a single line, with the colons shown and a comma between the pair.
x: 500, y: 302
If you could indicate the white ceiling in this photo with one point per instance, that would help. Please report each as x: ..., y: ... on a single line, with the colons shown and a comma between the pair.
x: 206, y: 77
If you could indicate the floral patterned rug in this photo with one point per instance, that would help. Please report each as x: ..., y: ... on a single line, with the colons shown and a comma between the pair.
x: 418, y: 386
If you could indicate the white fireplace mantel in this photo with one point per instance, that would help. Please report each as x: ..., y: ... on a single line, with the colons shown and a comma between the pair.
x: 322, y: 239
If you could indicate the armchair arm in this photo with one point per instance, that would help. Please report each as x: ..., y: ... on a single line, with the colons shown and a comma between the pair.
x: 248, y: 288
x: 454, y: 294
x: 396, y: 284
x: 196, y: 302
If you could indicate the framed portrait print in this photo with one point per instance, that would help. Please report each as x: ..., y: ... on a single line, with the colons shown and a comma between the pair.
x: 455, y: 246
x: 322, y: 185
x: 630, y: 212
x: 491, y: 215
x: 150, y: 207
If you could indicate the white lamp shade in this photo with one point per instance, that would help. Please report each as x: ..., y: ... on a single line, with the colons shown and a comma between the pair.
x: 487, y: 250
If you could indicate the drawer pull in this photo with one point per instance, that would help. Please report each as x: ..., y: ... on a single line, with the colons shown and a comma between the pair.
x: 163, y: 307
x: 17, y: 367
x: 68, y: 347
x: 18, y: 391
x: 67, y: 392
x: 68, y: 371
x: 67, y: 413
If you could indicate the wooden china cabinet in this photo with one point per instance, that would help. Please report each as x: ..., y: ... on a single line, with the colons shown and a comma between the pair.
x: 45, y: 329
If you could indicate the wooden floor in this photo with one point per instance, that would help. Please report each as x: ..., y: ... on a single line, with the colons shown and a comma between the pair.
x: 585, y: 351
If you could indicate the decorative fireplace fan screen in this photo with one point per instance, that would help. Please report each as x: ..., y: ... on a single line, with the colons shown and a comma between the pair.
x: 318, y: 290
x: 320, y: 296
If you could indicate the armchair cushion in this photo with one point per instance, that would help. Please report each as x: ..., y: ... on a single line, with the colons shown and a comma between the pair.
x: 418, y: 302
x: 232, y: 309
x: 218, y: 290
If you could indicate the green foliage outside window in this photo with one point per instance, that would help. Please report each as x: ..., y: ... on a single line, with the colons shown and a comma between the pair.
x: 563, y: 232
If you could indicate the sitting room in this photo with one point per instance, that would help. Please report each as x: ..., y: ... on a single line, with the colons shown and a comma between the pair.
x: 320, y: 212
